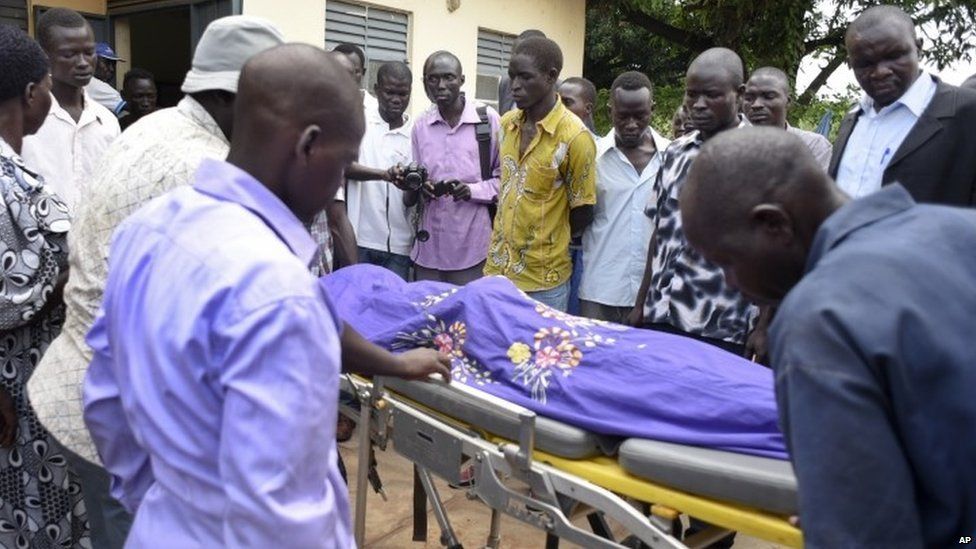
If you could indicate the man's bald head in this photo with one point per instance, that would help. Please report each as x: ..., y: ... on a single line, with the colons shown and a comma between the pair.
x: 773, y: 74
x: 297, y: 143
x: 882, y: 15
x: 322, y: 92
x: 720, y: 59
x: 753, y: 199
x: 445, y: 57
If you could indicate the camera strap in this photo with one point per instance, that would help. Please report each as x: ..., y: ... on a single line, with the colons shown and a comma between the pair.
x: 482, y: 133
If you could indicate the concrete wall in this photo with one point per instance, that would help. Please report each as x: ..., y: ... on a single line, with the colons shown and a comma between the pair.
x: 434, y: 27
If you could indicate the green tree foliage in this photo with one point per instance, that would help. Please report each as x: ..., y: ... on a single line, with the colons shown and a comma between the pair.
x: 660, y: 37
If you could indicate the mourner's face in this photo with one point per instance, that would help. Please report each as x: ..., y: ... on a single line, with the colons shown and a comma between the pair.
x: 529, y: 83
x: 631, y: 112
x: 884, y: 59
x: 72, y: 56
x: 443, y: 81
x: 764, y: 101
x: 105, y: 70
x: 393, y: 96
x: 759, y: 256
x: 140, y: 93
x: 574, y: 98
x: 315, y: 177
x: 711, y: 99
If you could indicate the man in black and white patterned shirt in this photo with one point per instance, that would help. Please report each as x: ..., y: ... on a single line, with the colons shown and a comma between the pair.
x: 681, y: 291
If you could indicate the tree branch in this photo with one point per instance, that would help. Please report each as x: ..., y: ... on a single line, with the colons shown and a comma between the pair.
x: 690, y: 40
x: 832, y: 38
x: 821, y: 78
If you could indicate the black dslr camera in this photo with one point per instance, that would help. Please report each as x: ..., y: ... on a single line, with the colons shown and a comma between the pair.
x: 413, y: 176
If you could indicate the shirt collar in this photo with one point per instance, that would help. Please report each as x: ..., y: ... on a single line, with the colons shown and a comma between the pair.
x: 193, y: 110
x: 609, y: 141
x: 374, y: 118
x: 468, y: 116
x: 915, y: 99
x: 88, y: 112
x: 549, y: 123
x: 224, y: 181
x: 696, y: 137
x: 854, y: 215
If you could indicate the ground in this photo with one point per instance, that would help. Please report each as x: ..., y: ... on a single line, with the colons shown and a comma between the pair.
x: 389, y: 523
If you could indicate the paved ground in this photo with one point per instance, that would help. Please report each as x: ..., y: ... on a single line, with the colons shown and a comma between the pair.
x: 389, y: 523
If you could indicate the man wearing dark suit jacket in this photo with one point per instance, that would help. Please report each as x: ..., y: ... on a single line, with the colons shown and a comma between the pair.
x: 909, y: 127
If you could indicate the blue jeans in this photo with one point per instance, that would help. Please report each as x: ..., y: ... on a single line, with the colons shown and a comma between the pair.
x: 557, y: 298
x: 576, y: 256
x: 399, y: 264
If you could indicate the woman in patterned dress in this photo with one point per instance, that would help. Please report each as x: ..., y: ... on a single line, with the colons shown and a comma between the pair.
x: 40, y: 498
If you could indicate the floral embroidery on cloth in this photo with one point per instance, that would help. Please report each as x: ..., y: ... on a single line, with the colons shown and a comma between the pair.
x: 450, y: 341
x: 554, y: 349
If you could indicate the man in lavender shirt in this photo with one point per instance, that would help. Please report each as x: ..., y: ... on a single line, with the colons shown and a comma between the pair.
x: 211, y: 396
x: 455, y: 215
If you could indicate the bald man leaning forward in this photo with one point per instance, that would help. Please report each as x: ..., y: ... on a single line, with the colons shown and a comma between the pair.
x: 217, y: 356
x: 680, y: 292
x: 873, y: 342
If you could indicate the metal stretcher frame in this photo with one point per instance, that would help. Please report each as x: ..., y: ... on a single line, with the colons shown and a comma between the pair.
x: 556, y: 483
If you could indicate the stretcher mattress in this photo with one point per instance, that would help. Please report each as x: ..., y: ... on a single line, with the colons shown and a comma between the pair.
x: 759, y: 482
x: 763, y: 483
x: 550, y: 436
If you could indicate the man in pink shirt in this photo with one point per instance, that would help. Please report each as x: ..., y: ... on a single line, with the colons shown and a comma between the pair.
x: 454, y: 216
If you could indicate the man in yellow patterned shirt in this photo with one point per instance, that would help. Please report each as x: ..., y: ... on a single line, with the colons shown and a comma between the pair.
x: 548, y: 181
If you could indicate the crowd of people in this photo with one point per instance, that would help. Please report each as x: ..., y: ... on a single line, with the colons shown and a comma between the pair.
x: 170, y: 366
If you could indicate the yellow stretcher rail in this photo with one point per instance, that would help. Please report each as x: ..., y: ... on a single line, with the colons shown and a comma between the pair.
x: 606, y: 473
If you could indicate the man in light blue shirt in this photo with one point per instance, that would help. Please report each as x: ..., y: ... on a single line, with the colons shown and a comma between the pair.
x: 628, y: 160
x: 212, y: 393
x: 909, y: 128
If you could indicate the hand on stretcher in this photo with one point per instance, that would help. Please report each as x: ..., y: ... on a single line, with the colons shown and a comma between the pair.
x: 419, y: 364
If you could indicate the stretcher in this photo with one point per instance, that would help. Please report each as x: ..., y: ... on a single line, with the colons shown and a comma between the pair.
x: 545, y: 473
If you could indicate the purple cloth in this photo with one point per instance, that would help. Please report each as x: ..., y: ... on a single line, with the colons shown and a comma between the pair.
x: 212, y: 394
x: 606, y: 378
x: 459, y: 231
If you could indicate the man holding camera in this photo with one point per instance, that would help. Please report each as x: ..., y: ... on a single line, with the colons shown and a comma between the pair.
x: 376, y: 209
x: 456, y: 141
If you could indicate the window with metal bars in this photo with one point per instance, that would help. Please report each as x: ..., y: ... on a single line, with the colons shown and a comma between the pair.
x: 494, y: 49
x: 381, y: 33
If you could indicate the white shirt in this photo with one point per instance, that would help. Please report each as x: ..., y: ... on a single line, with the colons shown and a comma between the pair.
x: 66, y: 152
x: 615, y: 244
x: 878, y: 135
x: 157, y: 155
x: 375, y: 208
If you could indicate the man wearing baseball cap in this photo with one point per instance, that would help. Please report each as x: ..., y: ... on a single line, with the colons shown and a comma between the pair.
x: 151, y: 158
x: 102, y: 87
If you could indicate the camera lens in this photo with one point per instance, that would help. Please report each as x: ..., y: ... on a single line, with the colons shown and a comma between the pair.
x: 423, y: 236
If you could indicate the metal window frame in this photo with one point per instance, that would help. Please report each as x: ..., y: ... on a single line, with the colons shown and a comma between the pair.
x: 15, y: 12
x: 382, y: 33
x: 494, y: 51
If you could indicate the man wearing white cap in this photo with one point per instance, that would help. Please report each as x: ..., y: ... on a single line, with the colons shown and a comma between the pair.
x: 159, y: 154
